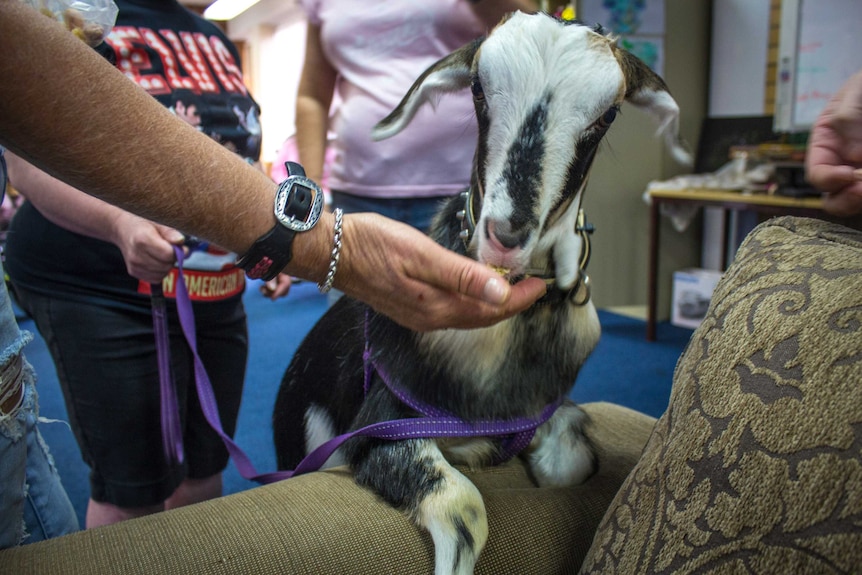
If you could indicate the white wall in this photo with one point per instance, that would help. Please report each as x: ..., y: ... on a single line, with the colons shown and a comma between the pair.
x: 281, y: 65
x: 275, y: 34
x: 740, y: 30
x: 737, y: 81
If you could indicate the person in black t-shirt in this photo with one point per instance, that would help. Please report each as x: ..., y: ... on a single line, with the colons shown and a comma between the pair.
x: 64, y: 108
x: 83, y: 269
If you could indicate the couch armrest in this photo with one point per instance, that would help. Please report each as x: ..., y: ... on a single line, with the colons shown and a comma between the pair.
x: 756, y: 465
x: 324, y: 523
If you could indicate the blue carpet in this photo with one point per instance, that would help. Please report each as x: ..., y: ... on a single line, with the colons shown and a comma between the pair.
x: 624, y: 369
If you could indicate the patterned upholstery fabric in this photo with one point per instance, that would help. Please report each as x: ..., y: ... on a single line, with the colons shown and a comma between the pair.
x: 756, y: 467
x: 323, y: 523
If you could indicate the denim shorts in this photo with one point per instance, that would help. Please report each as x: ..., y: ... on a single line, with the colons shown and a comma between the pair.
x: 105, y: 357
x: 33, y: 504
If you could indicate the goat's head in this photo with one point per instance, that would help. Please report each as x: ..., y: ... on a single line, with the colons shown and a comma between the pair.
x: 545, y: 93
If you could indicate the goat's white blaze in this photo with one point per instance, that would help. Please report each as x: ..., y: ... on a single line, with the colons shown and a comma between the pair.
x: 527, y: 63
x: 477, y: 354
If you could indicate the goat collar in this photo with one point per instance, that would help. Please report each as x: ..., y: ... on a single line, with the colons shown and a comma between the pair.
x: 468, y: 215
x: 580, y: 292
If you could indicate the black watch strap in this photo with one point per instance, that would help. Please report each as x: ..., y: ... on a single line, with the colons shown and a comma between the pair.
x: 273, y: 250
x: 269, y: 254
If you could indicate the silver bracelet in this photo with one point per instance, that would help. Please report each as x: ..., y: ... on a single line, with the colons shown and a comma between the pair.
x: 336, y: 253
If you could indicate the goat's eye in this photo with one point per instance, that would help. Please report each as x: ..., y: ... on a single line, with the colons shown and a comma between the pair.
x: 476, y: 88
x: 607, y: 118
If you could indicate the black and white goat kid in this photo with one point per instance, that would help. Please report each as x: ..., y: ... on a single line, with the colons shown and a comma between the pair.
x: 545, y: 91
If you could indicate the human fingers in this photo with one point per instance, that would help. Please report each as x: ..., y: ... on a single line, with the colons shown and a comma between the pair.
x: 424, y: 308
x: 149, y: 255
x: 840, y: 182
x: 845, y: 203
x: 465, y: 312
x: 849, y: 131
x: 829, y: 178
x: 472, y: 293
x: 836, y: 136
x: 418, y: 283
x: 826, y: 167
x: 846, y: 200
x: 170, y: 235
x: 845, y: 108
x: 277, y: 287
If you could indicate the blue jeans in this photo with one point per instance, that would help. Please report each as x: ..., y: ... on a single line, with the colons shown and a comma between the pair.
x: 418, y: 212
x: 33, y: 503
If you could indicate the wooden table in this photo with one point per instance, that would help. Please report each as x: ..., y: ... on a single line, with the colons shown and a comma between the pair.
x: 729, y: 200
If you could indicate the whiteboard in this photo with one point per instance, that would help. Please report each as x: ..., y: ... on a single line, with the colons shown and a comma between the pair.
x: 820, y: 46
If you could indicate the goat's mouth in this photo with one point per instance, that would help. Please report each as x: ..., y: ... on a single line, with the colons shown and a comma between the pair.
x: 503, y: 271
x: 514, y: 276
x: 579, y: 293
x: 513, y: 263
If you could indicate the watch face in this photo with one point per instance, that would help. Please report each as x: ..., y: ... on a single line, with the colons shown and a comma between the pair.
x: 298, y: 203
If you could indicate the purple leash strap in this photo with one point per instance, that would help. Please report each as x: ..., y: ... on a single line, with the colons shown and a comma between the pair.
x: 440, y: 424
x: 204, y: 388
x: 425, y: 428
x: 172, y: 435
x: 519, y: 431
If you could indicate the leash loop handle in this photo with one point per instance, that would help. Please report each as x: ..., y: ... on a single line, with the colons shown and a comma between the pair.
x: 172, y: 435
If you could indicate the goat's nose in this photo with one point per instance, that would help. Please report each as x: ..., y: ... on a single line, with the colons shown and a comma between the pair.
x: 501, y: 233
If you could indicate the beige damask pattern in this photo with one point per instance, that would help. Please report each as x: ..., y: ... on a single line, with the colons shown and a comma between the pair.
x: 756, y: 467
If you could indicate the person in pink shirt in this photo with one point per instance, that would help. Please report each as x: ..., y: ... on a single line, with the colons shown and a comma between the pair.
x: 369, y: 56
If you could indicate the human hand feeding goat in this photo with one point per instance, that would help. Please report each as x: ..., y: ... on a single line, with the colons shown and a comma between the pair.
x: 546, y: 91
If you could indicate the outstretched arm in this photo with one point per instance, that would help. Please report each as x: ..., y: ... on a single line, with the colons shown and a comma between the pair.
x: 492, y: 11
x: 146, y: 246
x: 63, y: 108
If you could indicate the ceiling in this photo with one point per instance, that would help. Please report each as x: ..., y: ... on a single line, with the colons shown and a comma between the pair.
x: 260, y: 11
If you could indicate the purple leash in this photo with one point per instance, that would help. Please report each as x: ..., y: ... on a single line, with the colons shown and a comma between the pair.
x: 172, y: 434
x: 436, y: 423
x: 170, y: 414
x: 520, y: 431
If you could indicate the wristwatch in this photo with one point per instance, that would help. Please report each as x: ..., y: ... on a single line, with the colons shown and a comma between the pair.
x: 298, y: 203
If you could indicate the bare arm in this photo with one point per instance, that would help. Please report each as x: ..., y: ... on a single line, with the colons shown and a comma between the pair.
x: 491, y: 11
x: 63, y: 108
x: 313, y: 100
x: 146, y: 246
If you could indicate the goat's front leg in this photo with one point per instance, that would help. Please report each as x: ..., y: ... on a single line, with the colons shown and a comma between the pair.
x: 561, y: 453
x: 412, y: 475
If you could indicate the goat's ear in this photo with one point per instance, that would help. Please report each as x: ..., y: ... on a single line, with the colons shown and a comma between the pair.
x: 646, y: 90
x: 450, y: 74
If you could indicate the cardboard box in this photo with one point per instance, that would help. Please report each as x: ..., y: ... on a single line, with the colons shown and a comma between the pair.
x: 692, y: 291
